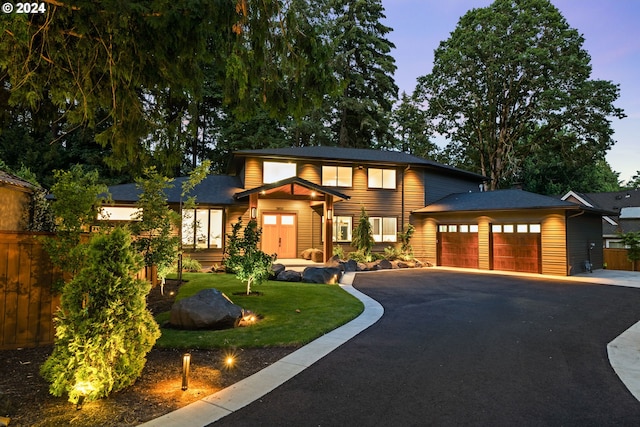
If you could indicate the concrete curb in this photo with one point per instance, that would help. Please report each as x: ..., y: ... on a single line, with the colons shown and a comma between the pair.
x: 242, y: 393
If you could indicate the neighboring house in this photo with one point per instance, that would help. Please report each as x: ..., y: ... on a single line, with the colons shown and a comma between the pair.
x: 311, y: 197
x: 15, y: 196
x: 624, y: 215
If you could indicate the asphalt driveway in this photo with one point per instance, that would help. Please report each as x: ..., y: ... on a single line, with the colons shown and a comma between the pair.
x: 459, y: 348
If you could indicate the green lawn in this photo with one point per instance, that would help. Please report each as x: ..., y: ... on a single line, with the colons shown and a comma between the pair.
x: 292, y: 314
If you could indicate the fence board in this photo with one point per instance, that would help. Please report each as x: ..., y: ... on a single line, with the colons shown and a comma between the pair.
x: 616, y: 259
x: 27, y: 304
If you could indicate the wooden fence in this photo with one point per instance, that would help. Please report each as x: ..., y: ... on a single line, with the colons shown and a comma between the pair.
x: 27, y: 305
x: 616, y: 259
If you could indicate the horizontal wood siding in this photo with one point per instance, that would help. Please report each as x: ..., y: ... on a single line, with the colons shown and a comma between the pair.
x: 554, y: 246
x: 440, y: 185
x: 252, y: 173
x: 424, y: 241
x: 27, y: 304
x: 484, y: 242
x: 582, y: 230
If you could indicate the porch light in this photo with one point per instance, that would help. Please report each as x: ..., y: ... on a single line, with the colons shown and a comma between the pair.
x: 254, y: 213
x: 329, y: 214
x: 186, y: 367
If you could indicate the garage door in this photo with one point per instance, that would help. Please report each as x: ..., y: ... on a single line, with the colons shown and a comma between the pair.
x: 516, y: 247
x: 458, y: 245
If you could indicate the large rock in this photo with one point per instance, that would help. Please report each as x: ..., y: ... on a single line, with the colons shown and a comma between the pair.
x: 289, y: 276
x: 326, y: 275
x: 208, y: 309
x: 277, y: 269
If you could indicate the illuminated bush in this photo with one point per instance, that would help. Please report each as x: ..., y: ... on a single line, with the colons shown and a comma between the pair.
x: 103, y: 328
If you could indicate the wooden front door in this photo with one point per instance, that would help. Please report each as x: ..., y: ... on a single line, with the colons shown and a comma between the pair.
x: 279, y: 234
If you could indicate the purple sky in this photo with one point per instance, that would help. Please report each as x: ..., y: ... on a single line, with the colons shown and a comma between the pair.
x: 611, y: 29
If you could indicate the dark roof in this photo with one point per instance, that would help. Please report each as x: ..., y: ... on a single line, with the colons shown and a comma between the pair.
x: 7, y: 178
x: 499, y: 200
x: 612, y: 201
x: 213, y: 190
x: 293, y: 182
x: 355, y: 155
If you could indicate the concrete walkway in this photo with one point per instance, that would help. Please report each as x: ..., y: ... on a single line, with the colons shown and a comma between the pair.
x: 623, y: 352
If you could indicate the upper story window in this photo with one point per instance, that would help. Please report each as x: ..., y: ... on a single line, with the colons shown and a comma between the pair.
x: 337, y: 176
x: 276, y: 171
x: 382, y: 178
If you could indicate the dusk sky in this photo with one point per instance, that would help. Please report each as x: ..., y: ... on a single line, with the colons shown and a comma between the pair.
x: 611, y: 29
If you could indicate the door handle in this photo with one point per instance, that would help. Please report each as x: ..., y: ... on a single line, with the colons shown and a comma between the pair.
x: 279, y: 241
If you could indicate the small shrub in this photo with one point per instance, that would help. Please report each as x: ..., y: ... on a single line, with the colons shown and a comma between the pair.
x: 359, y: 256
x: 362, y: 238
x: 338, y: 251
x: 191, y: 265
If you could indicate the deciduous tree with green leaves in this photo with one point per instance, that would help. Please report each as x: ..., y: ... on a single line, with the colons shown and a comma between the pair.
x: 631, y: 240
x: 512, y: 81
x: 243, y: 256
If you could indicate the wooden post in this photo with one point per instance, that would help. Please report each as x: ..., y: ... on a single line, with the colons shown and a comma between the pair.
x: 328, y: 227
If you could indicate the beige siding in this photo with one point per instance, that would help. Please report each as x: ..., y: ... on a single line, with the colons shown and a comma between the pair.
x: 554, y: 244
x: 484, y: 242
x: 252, y: 173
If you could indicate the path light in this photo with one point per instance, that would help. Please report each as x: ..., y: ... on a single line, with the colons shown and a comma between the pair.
x: 186, y: 366
x: 83, y: 388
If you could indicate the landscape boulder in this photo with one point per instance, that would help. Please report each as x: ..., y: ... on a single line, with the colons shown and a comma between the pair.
x: 208, y: 309
x: 289, y: 276
x: 325, y: 275
x: 277, y: 269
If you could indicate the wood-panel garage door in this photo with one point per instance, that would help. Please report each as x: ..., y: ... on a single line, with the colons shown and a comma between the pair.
x: 516, y: 247
x: 458, y: 246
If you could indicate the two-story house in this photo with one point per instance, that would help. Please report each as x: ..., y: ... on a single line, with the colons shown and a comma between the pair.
x: 311, y: 197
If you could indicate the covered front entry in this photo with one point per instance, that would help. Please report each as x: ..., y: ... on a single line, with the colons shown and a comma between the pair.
x: 516, y: 247
x: 458, y: 245
x: 287, y: 211
x: 279, y: 234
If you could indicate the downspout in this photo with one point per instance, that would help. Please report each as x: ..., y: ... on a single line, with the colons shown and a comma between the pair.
x: 402, y: 208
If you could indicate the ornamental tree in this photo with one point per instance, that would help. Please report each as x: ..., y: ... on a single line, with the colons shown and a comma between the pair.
x: 631, y: 240
x: 363, y: 235
x: 244, y: 258
x: 103, y: 327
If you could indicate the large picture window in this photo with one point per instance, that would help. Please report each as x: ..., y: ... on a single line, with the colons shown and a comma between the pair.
x: 277, y: 171
x: 382, y: 178
x: 337, y: 176
x: 202, y: 228
x: 118, y: 213
x: 384, y: 229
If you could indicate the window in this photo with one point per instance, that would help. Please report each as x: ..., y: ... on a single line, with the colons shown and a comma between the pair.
x: 276, y: 171
x: 442, y: 228
x: 382, y: 178
x: 384, y: 229
x: 202, y: 228
x: 118, y: 213
x: 522, y: 228
x: 518, y: 228
x: 337, y: 176
x: 341, y: 228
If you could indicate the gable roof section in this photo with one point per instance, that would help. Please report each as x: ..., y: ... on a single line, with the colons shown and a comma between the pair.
x: 213, y: 190
x: 500, y: 200
x: 354, y: 155
x: 20, y: 184
x: 292, y: 186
